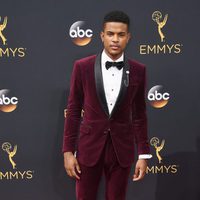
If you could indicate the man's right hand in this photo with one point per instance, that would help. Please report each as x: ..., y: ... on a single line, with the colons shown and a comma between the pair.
x: 70, y: 164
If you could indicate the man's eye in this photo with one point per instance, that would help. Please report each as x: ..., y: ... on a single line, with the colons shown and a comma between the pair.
x: 109, y: 33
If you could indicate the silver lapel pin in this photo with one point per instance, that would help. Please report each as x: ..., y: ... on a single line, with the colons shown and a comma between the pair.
x: 126, y: 81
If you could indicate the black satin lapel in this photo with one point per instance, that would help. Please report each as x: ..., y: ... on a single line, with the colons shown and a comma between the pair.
x: 99, y: 84
x: 123, y: 87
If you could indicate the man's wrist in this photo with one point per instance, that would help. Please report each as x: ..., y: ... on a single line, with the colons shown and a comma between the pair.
x: 68, y: 153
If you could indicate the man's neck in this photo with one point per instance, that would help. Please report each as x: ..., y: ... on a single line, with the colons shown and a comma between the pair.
x: 114, y: 58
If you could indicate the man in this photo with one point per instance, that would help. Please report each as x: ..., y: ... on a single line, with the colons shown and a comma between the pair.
x: 111, y: 90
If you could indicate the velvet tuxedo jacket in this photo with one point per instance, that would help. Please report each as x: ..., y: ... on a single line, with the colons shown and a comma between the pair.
x: 127, y: 123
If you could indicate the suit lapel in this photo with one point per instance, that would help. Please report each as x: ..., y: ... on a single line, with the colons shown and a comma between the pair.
x: 100, y: 88
x: 99, y: 84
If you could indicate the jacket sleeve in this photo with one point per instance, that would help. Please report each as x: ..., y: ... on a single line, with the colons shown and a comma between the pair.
x: 74, y: 108
x: 139, y: 117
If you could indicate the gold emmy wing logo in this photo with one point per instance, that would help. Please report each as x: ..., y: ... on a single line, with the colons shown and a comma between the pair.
x: 7, y: 147
x: 157, y: 17
x: 155, y: 143
x: 161, y: 168
x: 161, y: 47
x: 2, y: 27
x: 14, y: 174
x: 6, y: 51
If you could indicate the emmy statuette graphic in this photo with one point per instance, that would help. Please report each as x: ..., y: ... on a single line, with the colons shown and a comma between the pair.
x: 157, y: 17
x: 2, y: 27
x: 155, y: 142
x: 6, y: 146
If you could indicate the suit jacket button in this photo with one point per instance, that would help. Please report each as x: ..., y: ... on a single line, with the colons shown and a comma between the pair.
x: 109, y: 129
x: 105, y: 132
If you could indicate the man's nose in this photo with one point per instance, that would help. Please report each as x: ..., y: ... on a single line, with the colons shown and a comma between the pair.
x: 115, y: 38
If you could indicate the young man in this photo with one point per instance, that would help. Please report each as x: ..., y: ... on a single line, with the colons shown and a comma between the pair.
x: 111, y: 90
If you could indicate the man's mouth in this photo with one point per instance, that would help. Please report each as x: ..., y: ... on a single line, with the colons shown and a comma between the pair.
x: 114, y: 47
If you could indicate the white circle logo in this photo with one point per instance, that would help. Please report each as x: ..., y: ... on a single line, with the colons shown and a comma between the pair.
x: 8, y: 102
x: 80, y: 35
x: 157, y: 97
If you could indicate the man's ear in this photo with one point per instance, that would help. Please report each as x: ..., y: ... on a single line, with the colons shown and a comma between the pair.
x: 129, y: 37
x: 102, y: 36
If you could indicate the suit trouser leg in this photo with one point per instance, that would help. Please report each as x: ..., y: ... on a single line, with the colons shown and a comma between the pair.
x: 87, y: 186
x: 116, y: 177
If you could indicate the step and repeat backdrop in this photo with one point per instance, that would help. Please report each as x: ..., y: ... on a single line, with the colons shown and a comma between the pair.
x: 39, y: 42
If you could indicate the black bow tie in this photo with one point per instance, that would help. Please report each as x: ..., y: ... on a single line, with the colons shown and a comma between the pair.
x: 119, y: 65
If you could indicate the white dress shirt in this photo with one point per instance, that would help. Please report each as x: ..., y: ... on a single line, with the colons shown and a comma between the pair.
x: 112, y: 81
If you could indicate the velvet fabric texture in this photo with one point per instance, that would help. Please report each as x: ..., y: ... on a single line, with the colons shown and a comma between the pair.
x: 127, y: 123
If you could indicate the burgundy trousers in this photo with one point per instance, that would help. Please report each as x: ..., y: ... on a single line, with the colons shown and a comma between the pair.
x: 116, y: 177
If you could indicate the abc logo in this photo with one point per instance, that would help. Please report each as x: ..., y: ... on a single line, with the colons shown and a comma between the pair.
x: 80, y: 35
x: 157, y: 98
x: 8, y: 102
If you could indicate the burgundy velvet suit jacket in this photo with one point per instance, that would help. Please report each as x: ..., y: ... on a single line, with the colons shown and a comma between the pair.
x: 127, y: 122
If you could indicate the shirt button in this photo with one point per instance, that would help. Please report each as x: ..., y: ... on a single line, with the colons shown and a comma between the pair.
x: 111, y: 104
x: 112, y: 74
x: 112, y: 89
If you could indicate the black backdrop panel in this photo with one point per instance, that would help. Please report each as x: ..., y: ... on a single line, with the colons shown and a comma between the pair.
x: 36, y: 60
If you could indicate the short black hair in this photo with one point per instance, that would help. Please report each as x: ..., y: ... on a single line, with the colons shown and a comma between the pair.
x: 117, y: 16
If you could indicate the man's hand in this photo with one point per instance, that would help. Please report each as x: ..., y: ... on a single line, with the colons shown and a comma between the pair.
x: 140, y: 169
x: 70, y: 164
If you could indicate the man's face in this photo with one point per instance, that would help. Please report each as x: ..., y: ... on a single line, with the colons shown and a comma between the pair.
x: 115, y: 37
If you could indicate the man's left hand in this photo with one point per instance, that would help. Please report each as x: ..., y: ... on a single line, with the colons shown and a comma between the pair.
x: 140, y: 169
